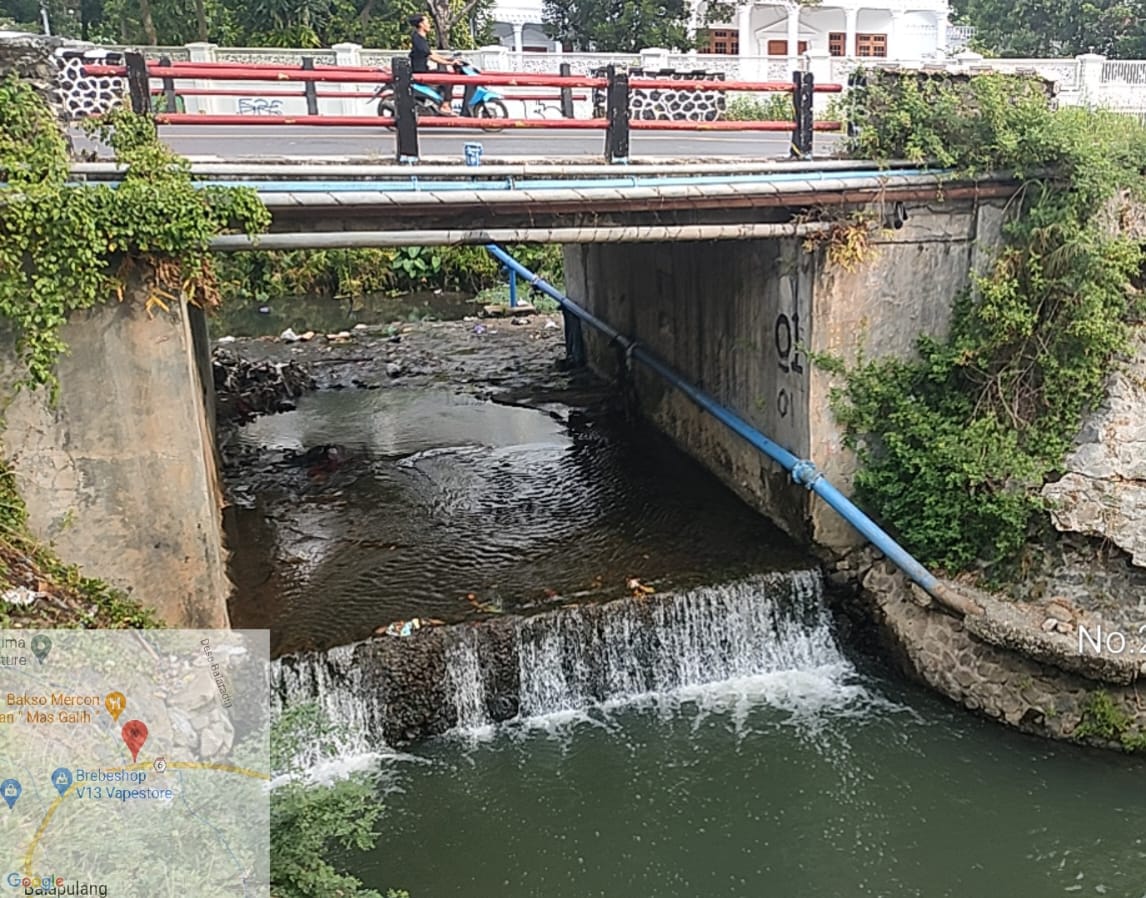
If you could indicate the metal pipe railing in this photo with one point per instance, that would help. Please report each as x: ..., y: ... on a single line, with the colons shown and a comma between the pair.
x: 480, y: 236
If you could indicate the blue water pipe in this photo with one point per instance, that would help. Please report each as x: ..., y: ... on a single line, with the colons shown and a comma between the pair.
x: 803, y: 471
x: 414, y: 185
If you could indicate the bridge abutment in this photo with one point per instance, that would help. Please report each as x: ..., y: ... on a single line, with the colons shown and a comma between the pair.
x: 120, y: 475
x: 743, y: 319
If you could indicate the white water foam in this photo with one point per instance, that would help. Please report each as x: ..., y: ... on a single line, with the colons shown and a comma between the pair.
x: 723, y: 649
x: 726, y: 648
x: 332, y: 680
x: 465, y: 688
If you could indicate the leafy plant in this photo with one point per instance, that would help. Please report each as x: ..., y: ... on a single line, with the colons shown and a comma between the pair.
x: 308, y: 818
x: 956, y: 445
x: 357, y: 272
x: 64, y: 248
x: 415, y: 266
x: 1103, y: 719
x: 770, y: 108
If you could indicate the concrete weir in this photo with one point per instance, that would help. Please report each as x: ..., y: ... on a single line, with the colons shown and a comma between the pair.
x: 120, y: 475
x: 740, y: 319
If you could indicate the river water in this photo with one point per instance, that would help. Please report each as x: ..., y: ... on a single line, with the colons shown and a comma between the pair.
x: 821, y: 782
x: 717, y: 738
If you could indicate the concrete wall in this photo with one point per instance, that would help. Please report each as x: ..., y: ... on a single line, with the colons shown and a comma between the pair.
x: 120, y: 476
x: 738, y: 317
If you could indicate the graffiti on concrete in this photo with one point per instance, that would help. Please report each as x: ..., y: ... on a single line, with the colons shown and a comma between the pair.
x: 260, y: 106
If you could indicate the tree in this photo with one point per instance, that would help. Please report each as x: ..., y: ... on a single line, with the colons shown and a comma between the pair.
x: 618, y: 26
x: 1051, y: 28
x: 448, y: 15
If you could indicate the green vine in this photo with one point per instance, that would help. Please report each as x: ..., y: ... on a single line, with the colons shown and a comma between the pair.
x: 67, y: 247
x: 955, y: 446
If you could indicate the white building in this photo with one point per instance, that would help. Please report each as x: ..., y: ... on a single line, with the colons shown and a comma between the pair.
x: 517, y: 25
x: 891, y: 29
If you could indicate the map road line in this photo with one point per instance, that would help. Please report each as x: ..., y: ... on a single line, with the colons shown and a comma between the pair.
x: 174, y: 765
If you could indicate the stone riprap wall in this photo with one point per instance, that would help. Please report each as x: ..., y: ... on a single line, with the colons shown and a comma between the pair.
x: 31, y: 59
x: 668, y: 104
x: 1103, y: 490
x: 1042, y: 680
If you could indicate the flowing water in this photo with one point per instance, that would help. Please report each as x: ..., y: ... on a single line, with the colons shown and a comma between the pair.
x: 442, y: 501
x: 713, y: 739
x: 731, y: 748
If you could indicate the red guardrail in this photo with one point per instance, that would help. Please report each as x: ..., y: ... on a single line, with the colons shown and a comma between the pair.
x: 617, y: 87
x: 492, y: 79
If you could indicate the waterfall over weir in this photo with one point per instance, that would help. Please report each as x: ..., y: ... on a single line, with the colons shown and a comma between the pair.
x: 395, y: 690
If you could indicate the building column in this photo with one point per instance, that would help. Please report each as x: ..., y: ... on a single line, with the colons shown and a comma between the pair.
x: 793, y: 35
x: 940, y: 34
x: 517, y: 30
x: 895, y: 36
x: 851, y: 16
x: 749, y: 63
x: 349, y: 55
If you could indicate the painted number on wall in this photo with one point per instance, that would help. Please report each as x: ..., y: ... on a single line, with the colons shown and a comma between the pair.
x: 787, y: 337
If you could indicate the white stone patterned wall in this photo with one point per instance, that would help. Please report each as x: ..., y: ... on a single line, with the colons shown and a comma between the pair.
x: 83, y: 95
x: 663, y: 104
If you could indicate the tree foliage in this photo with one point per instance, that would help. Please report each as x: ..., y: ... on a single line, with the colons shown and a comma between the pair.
x: 956, y: 446
x: 259, y: 23
x: 618, y: 26
x: 309, y: 819
x: 1055, y: 28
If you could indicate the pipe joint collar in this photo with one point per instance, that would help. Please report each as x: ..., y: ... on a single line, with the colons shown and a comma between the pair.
x: 805, y: 473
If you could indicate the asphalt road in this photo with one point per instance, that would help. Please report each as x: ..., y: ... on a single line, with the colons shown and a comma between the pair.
x: 231, y: 141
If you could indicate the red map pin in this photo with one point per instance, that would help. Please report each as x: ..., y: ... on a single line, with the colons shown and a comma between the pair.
x: 134, y: 735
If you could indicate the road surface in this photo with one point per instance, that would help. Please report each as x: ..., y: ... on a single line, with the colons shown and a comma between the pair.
x: 230, y: 141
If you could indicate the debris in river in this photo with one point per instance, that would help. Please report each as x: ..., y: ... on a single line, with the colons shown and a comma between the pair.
x: 639, y: 589
x: 20, y: 596
x: 244, y: 389
x: 485, y: 607
x: 289, y: 336
x: 407, y: 627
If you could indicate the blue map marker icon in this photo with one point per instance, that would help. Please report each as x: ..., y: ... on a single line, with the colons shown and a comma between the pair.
x: 10, y: 790
x: 62, y: 779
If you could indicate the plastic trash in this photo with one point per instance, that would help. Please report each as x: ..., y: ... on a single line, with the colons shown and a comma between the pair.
x: 20, y: 595
x: 289, y: 336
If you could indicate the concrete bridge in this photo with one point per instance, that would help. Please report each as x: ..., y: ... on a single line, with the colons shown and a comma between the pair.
x: 710, y: 272
x: 326, y: 206
x: 722, y: 269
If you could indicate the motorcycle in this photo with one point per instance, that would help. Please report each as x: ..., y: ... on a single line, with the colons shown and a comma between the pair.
x: 478, y: 101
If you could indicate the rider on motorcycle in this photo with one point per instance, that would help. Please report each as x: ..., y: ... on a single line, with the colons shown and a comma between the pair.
x: 422, y: 54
